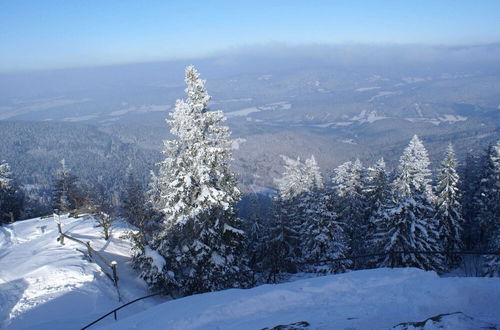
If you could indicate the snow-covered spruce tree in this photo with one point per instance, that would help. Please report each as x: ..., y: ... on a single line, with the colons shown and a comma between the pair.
x: 488, y: 197
x: 470, y: 203
x: 10, y: 199
x: 5, y: 176
x: 283, y: 235
x: 490, y: 209
x: 350, y: 203
x: 449, y: 211
x: 200, y: 246
x: 410, y: 223
x: 255, y: 229
x: 66, y: 195
x: 378, y: 200
x: 148, y: 224
x: 133, y: 200
x: 492, y: 262
x: 322, y: 237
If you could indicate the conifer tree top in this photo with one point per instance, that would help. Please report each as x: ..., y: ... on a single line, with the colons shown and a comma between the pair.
x: 413, y: 170
x: 5, y: 175
x: 195, y: 174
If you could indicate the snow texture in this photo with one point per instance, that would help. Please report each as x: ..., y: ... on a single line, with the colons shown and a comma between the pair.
x: 46, y: 285
x: 157, y: 260
x: 367, y: 299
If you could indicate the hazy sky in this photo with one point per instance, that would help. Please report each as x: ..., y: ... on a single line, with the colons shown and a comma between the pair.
x: 50, y: 34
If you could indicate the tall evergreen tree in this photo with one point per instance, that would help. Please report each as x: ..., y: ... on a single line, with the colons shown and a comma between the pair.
x: 5, y: 175
x: 490, y: 209
x: 66, y: 195
x: 256, y: 234
x: 410, y: 224
x: 379, y: 197
x: 200, y: 239
x: 133, y: 200
x: 470, y: 203
x: 10, y: 198
x: 321, y: 234
x: 489, y: 192
x: 283, y: 235
x: 304, y: 231
x: 350, y: 203
x: 449, y: 210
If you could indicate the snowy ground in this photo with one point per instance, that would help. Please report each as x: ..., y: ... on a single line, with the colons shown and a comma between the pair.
x: 46, y: 285
x: 367, y: 299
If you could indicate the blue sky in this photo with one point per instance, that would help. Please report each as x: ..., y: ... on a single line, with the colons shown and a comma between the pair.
x: 51, y: 34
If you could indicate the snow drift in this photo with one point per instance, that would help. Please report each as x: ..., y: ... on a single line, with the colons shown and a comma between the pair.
x: 367, y: 299
x: 44, y: 284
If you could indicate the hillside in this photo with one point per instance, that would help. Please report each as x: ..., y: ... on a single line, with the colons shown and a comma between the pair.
x: 48, y: 285
x: 44, y: 284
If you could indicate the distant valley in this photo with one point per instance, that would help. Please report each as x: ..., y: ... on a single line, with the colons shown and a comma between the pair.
x: 296, y: 106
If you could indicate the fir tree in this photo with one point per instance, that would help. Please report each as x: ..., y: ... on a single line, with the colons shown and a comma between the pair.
x: 255, y: 230
x: 200, y: 238
x: 449, y: 215
x: 133, y: 201
x: 410, y: 225
x: 5, y: 176
x: 10, y: 198
x: 282, y: 241
x: 293, y: 181
x: 489, y: 193
x: 304, y: 231
x: 350, y: 203
x: 490, y: 209
x: 321, y: 233
x: 66, y: 196
x: 470, y: 203
x: 379, y: 196
x: 283, y: 246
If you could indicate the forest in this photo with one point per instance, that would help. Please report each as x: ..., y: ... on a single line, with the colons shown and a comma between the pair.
x: 191, y: 236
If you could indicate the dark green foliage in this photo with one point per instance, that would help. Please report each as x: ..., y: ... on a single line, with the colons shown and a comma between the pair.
x: 11, y: 200
x: 470, y: 209
x: 322, y: 236
x: 134, y: 201
x: 282, y: 240
x: 448, y: 208
x: 490, y: 208
x: 67, y: 195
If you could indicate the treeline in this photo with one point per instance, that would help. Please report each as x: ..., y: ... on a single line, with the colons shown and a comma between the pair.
x: 99, y: 160
x: 373, y: 210
x: 190, y: 239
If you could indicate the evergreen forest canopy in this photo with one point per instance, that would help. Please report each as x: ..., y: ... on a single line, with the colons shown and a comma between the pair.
x: 190, y: 239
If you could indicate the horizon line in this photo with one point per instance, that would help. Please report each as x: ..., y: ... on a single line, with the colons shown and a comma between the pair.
x: 235, y: 50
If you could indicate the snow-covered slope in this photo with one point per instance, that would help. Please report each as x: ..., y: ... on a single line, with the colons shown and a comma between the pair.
x: 46, y: 285
x: 368, y: 299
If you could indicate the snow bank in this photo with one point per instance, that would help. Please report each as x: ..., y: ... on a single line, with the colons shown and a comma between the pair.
x: 368, y: 299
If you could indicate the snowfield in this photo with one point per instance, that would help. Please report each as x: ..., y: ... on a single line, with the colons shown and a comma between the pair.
x: 367, y: 299
x: 46, y: 285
